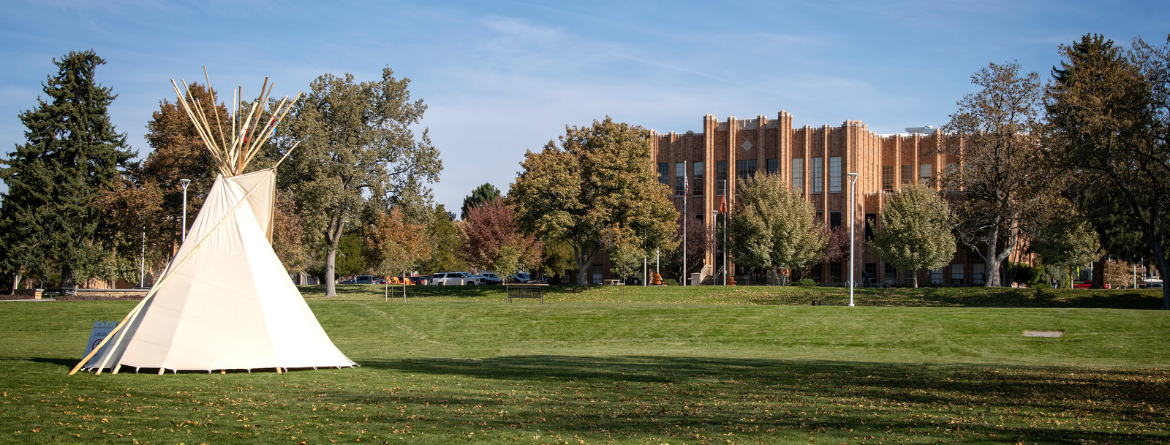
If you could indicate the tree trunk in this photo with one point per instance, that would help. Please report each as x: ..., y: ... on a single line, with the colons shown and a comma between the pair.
x: 915, y: 280
x: 584, y: 259
x: 582, y: 271
x: 15, y: 283
x: 1160, y: 256
x: 1098, y: 281
x: 330, y: 264
x: 66, y: 275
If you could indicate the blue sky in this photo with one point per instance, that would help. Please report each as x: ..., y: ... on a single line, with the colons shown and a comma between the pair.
x: 504, y: 77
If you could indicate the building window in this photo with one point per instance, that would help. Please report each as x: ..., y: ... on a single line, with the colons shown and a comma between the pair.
x: 887, y: 177
x: 870, y: 222
x: 956, y: 274
x: 907, y: 276
x: 680, y: 175
x: 891, y: 274
x: 664, y: 173
x: 835, y: 271
x: 870, y: 273
x: 835, y: 174
x: 597, y: 278
x: 817, y: 272
x: 977, y: 276
x: 697, y: 181
x: 817, y: 171
x: 798, y: 174
x: 834, y: 220
x: 936, y: 277
x: 924, y: 174
x: 773, y: 166
x: 745, y: 169
x: 907, y: 171
x: 720, y: 176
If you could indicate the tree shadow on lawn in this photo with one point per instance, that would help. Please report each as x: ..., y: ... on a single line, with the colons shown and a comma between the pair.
x: 642, y: 395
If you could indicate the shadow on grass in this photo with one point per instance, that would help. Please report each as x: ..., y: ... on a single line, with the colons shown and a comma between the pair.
x: 638, y: 395
x: 627, y: 399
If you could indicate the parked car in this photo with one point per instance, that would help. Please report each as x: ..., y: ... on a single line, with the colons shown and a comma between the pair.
x: 419, y: 279
x: 455, y: 279
x: 520, y: 277
x: 490, y: 278
x: 1087, y: 284
x: 379, y: 281
x: 349, y: 281
x: 363, y: 279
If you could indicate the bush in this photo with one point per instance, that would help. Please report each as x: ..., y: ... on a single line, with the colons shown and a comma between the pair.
x: 669, y: 282
x: 805, y: 282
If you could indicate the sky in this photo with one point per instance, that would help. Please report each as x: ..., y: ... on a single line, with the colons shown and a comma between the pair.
x: 502, y: 78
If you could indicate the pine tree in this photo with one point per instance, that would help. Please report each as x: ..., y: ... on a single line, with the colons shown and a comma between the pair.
x: 50, y: 218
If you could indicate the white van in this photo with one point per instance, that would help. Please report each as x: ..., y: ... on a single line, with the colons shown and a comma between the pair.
x: 455, y: 279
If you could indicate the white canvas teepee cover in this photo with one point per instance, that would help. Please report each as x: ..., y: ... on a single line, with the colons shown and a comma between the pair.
x: 225, y: 302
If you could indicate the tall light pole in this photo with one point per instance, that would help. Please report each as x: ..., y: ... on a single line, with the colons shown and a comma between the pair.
x: 185, y: 183
x: 852, y: 215
x: 142, y: 262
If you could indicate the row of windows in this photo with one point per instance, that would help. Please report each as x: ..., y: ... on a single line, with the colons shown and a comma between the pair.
x: 747, y: 168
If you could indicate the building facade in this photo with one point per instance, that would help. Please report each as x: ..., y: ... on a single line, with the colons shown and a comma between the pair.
x: 815, y: 161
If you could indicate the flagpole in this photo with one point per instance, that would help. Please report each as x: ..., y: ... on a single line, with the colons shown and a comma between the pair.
x: 686, y: 185
x: 725, y: 233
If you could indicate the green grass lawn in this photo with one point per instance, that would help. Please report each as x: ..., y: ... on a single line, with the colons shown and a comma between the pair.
x: 672, y: 365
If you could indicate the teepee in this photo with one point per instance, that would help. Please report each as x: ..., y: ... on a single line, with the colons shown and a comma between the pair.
x: 225, y: 302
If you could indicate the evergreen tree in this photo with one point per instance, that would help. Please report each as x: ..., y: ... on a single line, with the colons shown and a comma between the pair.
x: 73, y: 153
x: 483, y: 194
x: 1109, y: 114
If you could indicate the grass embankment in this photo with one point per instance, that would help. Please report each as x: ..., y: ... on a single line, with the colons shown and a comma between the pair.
x: 467, y: 367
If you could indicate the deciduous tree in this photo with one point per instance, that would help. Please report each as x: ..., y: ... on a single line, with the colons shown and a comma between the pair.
x: 915, y: 231
x: 492, y: 240
x: 599, y: 178
x: 442, y: 233
x: 394, y: 246
x: 1000, y: 154
x: 775, y: 228
x: 72, y: 154
x: 356, y: 143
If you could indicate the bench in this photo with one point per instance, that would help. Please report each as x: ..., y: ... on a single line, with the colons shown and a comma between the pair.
x: 614, y: 282
x: 527, y: 291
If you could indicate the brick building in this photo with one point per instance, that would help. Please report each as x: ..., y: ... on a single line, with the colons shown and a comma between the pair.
x: 815, y: 160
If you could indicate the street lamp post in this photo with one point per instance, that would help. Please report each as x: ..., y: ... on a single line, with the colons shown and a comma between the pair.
x: 185, y: 182
x: 142, y: 261
x: 852, y: 216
